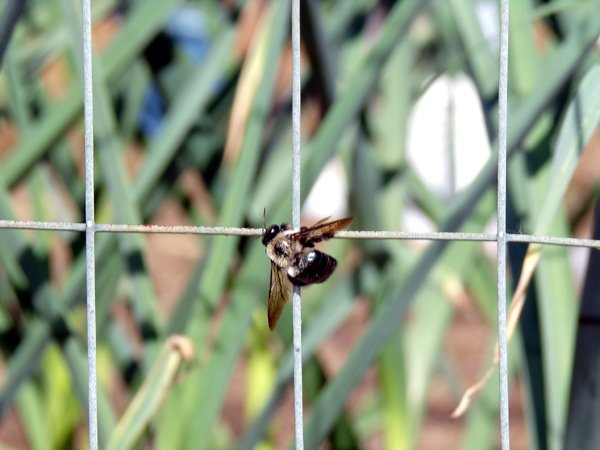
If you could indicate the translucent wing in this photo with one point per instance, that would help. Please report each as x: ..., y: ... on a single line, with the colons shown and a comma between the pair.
x: 321, y: 231
x: 280, y: 290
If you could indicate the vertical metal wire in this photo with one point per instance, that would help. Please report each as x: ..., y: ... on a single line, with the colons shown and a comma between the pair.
x: 296, y: 308
x: 88, y: 121
x: 501, y: 234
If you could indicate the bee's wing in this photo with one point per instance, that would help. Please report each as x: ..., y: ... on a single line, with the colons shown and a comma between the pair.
x: 280, y: 290
x: 322, y: 230
x: 323, y: 221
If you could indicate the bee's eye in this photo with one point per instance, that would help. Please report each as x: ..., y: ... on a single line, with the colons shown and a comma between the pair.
x: 270, y: 233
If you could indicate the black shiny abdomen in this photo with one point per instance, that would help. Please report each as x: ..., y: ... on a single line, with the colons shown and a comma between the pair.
x: 315, y: 267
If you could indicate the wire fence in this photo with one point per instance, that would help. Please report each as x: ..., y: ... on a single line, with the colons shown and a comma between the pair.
x: 501, y: 227
x: 90, y: 228
x: 90, y: 219
x: 256, y: 232
x: 296, y: 204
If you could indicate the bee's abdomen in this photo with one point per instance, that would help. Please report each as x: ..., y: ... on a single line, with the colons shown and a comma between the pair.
x: 313, y: 267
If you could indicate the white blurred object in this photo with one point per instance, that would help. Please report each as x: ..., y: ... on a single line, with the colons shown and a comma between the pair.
x: 489, y: 19
x: 428, y: 134
x: 471, y: 145
x: 447, y: 141
x: 328, y: 196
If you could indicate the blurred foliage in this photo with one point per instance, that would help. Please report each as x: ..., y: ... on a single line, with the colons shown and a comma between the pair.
x: 193, y: 126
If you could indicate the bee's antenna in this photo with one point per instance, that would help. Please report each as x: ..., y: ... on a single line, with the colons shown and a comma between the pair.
x: 265, y: 217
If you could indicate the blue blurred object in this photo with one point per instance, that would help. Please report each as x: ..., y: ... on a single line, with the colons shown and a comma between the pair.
x: 187, y: 27
x: 186, y: 31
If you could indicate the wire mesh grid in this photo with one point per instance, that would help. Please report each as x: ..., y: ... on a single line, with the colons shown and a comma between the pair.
x: 90, y: 228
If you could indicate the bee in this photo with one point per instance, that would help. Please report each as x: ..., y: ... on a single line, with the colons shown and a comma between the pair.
x: 294, y: 260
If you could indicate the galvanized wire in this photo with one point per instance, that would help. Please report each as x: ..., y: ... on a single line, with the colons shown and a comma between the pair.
x: 501, y: 231
x: 256, y: 232
x: 90, y: 254
x: 296, y: 146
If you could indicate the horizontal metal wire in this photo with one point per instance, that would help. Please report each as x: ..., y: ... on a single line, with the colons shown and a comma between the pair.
x: 551, y: 240
x: 125, y: 228
x: 178, y: 229
x: 33, y: 225
x: 417, y: 235
x: 234, y: 231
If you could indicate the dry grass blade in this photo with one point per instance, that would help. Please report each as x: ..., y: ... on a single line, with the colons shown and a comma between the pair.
x: 580, y: 121
x: 247, y: 88
x: 473, y: 390
x: 514, y: 313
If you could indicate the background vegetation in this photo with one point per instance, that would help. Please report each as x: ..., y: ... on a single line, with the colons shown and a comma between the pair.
x: 192, y: 126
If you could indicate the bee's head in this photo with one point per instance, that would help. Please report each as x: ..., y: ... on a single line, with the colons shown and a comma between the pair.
x: 270, y: 233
